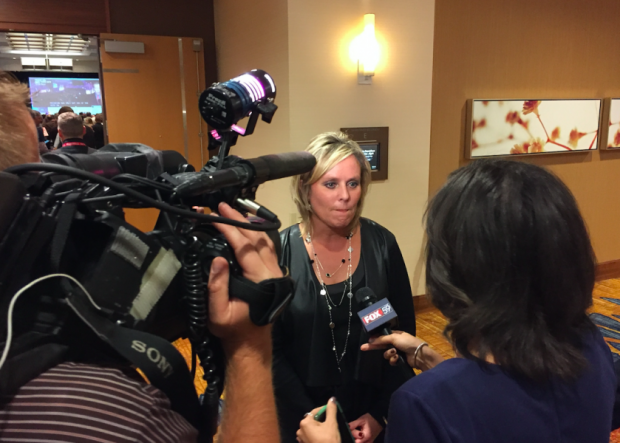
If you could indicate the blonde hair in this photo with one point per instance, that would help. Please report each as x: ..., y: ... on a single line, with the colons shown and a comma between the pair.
x: 329, y: 148
x: 18, y: 139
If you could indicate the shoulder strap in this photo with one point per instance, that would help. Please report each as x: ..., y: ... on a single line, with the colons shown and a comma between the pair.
x: 158, y: 359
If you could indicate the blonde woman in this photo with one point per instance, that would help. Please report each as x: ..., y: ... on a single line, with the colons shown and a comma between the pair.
x: 331, y: 254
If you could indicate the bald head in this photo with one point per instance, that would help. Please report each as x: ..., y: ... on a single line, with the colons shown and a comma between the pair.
x: 70, y: 125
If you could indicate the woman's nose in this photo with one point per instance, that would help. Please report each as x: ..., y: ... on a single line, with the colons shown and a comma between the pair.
x: 344, y: 193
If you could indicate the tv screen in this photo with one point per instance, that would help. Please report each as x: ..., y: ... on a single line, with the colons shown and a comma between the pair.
x: 371, y: 151
x: 48, y: 95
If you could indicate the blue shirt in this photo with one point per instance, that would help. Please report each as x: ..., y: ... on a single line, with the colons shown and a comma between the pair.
x: 462, y: 401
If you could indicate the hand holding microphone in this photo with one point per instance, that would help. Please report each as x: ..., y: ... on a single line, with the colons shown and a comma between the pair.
x: 377, y: 317
x: 425, y: 358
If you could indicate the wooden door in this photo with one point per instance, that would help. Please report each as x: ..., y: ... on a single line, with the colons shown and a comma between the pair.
x: 152, y: 98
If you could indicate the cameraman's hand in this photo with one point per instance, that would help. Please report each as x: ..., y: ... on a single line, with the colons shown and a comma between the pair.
x: 229, y: 317
x: 312, y: 431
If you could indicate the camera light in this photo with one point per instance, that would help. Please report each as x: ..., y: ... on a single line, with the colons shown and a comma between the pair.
x: 224, y: 104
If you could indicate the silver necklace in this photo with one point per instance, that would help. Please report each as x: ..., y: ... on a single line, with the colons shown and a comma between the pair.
x: 328, y: 299
x: 328, y: 274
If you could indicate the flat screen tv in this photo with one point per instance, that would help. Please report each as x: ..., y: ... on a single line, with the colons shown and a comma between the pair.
x: 48, y: 94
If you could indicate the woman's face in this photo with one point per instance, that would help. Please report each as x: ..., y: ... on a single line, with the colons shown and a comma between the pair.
x: 335, y: 195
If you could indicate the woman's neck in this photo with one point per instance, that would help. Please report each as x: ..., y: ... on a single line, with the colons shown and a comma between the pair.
x: 326, y: 234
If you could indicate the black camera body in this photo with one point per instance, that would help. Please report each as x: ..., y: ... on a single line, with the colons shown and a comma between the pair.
x: 95, y: 287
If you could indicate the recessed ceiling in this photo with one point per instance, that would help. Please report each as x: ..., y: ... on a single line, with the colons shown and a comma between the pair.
x: 59, y: 43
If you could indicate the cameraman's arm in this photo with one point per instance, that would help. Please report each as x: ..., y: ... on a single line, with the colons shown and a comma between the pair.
x: 250, y: 411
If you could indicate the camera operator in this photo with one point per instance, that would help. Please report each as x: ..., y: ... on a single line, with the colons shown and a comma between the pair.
x: 81, y: 402
x: 510, y: 265
x: 18, y: 136
x: 105, y: 403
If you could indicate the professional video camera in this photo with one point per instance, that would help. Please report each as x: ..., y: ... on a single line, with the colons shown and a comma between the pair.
x: 102, y: 288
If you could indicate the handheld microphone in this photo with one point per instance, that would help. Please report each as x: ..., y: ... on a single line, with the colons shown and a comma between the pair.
x: 377, y: 318
x: 250, y: 172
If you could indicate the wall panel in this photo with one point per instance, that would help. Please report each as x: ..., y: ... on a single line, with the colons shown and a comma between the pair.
x: 530, y: 49
x: 59, y: 16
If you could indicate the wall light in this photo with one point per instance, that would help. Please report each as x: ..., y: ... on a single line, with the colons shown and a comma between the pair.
x: 365, y: 51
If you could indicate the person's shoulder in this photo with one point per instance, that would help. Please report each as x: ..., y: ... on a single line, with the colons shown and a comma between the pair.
x: 453, y: 374
x: 290, y: 231
x: 375, y: 229
x: 139, y: 409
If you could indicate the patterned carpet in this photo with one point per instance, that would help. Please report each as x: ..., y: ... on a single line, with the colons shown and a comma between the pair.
x: 605, y: 312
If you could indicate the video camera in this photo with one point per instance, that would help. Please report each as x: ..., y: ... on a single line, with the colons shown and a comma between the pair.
x: 102, y: 289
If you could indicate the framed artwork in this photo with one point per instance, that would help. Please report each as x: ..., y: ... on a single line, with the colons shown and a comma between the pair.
x: 524, y: 127
x: 610, y: 130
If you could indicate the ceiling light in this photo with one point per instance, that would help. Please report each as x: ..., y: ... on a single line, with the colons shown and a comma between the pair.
x: 33, y: 61
x: 61, y: 62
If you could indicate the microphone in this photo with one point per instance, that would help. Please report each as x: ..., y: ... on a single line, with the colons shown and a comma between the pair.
x: 377, y: 318
x: 250, y: 172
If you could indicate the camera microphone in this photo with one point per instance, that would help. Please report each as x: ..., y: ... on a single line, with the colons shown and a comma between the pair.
x: 377, y: 318
x: 250, y: 172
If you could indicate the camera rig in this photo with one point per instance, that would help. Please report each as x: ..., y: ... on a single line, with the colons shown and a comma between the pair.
x: 91, y: 287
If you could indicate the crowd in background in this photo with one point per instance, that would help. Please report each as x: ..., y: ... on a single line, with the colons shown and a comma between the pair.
x: 48, y: 135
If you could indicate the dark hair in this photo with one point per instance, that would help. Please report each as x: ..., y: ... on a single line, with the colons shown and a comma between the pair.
x: 510, y: 264
x: 65, y: 109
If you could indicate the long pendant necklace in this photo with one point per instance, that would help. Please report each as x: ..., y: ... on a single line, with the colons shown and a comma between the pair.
x: 330, y: 302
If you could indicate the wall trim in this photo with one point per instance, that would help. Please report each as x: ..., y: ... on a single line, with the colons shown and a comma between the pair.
x: 421, y: 303
x: 608, y: 269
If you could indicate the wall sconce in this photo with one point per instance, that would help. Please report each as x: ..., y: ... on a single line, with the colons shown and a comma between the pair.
x: 365, y: 51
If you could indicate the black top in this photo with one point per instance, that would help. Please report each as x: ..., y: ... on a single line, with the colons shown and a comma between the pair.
x: 349, y: 392
x: 73, y: 146
x: 40, y: 134
x: 305, y: 369
x: 89, y: 137
x: 98, y: 134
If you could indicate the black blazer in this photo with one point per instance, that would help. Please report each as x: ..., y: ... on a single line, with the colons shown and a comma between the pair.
x: 302, y: 341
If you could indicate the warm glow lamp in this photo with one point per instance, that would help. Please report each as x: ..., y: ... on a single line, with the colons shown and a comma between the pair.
x: 365, y: 51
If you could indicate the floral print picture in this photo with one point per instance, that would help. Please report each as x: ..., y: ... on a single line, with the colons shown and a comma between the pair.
x: 613, y: 139
x: 518, y: 127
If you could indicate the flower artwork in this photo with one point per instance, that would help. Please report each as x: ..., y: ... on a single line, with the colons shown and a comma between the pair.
x: 520, y: 127
x: 613, y: 136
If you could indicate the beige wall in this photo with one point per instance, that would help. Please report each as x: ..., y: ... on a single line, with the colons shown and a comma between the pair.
x: 305, y: 46
x: 530, y: 49
x: 254, y: 35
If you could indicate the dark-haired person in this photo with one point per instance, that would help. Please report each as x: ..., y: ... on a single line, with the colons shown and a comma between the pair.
x: 98, y: 131
x: 36, y: 117
x: 510, y: 265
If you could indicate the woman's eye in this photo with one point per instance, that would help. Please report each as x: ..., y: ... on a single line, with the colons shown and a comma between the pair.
x: 330, y: 185
x: 354, y: 184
